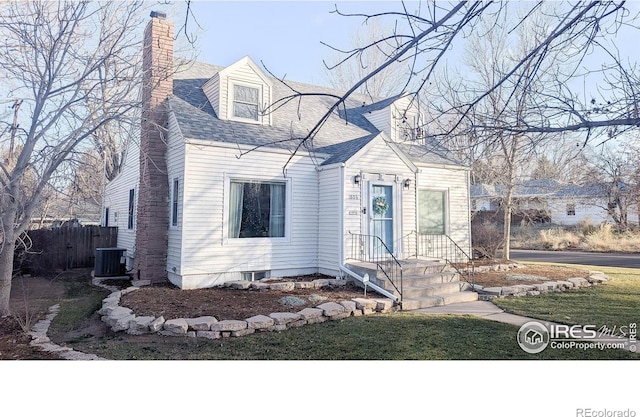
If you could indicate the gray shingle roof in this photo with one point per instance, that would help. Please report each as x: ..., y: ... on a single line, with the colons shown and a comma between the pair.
x: 344, y: 133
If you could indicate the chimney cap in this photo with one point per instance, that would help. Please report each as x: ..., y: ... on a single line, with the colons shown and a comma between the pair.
x: 158, y: 14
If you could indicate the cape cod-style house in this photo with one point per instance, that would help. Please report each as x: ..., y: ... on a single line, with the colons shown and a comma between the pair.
x: 217, y: 189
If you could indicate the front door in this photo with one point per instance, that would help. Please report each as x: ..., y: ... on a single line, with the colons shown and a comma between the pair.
x: 381, y: 219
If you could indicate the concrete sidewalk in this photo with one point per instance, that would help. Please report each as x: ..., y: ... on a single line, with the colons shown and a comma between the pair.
x: 488, y: 310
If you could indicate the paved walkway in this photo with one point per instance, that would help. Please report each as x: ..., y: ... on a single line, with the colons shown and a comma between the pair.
x: 488, y: 310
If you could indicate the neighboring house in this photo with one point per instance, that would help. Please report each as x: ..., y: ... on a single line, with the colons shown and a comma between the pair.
x: 225, y: 192
x: 558, y: 203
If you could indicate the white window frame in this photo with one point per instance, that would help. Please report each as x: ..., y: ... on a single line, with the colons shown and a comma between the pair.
x: 230, y: 101
x: 175, y: 203
x: 447, y: 207
x: 131, y: 209
x: 288, y: 210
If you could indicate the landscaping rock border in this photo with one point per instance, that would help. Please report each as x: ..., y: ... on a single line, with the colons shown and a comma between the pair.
x: 522, y: 290
x: 123, y: 319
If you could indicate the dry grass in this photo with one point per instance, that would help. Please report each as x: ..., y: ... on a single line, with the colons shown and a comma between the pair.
x: 584, y: 236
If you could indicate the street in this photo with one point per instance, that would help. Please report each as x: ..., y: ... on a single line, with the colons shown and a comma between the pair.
x: 623, y: 260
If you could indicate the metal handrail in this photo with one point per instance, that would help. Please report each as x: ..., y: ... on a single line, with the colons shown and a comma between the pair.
x: 444, y: 247
x: 363, y: 249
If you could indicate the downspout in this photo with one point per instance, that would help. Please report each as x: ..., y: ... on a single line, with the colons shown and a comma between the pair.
x: 341, y: 217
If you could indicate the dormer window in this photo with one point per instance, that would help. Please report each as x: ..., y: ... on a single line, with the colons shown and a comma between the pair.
x: 246, y: 101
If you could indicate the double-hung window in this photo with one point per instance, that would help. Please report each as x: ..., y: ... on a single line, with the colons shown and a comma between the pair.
x: 257, y: 209
x: 246, y: 102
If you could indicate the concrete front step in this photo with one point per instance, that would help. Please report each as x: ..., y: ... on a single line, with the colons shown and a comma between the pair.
x: 429, y: 290
x: 438, y: 300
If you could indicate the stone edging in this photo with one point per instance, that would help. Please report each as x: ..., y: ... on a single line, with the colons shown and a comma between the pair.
x: 521, y: 290
x: 40, y: 339
x: 123, y: 319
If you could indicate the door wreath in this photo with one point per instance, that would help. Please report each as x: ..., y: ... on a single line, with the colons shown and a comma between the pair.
x: 380, y: 205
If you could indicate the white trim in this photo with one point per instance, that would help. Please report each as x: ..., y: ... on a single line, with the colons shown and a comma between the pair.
x: 231, y: 83
x: 447, y: 207
x: 288, y: 182
x: 177, y: 204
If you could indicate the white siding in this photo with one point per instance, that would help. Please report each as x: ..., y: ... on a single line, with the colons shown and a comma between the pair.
x: 219, y: 89
x: 212, y: 90
x: 585, y: 209
x: 209, y: 256
x: 381, y: 119
x: 116, y: 198
x: 378, y: 163
x: 455, y: 183
x: 175, y: 170
x: 329, y: 212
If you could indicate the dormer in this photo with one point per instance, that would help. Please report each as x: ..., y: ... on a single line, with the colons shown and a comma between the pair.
x: 241, y: 92
x: 400, y: 118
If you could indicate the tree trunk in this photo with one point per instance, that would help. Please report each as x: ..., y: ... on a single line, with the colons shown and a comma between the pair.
x: 6, y: 271
x: 506, y: 247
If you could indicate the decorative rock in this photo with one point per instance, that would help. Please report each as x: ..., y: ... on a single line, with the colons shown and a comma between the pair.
x: 208, y: 334
x: 284, y: 318
x: 349, y: 306
x: 156, y: 325
x: 356, y: 313
x: 383, y: 304
x: 178, y: 326
x: 579, y: 282
x: 238, y: 285
x: 510, y: 290
x: 337, y: 283
x: 280, y: 327
x: 533, y: 292
x: 243, y: 332
x: 303, y: 285
x: 282, y: 286
x: 316, y: 298
x: 596, y: 279
x: 340, y: 316
x: 310, y: 313
x: 140, y: 325
x: 492, y: 290
x: 298, y: 323
x: 259, y: 285
x: 128, y: 290
x: 565, y: 284
x: 331, y: 309
x: 320, y: 283
x: 316, y: 320
x: 291, y: 301
x: 229, y: 326
x: 141, y: 283
x: 259, y: 322
x: 191, y: 333
x: 365, y: 303
x: 201, y: 323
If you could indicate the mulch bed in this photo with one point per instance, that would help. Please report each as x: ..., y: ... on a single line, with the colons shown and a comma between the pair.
x: 545, y: 273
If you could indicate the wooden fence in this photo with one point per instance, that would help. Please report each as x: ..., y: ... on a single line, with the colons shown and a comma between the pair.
x: 63, y: 248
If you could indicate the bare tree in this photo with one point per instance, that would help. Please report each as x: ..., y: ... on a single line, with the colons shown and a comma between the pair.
x: 425, y: 35
x: 343, y: 74
x: 57, y: 58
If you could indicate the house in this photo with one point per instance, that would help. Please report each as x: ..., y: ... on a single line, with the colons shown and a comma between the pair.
x: 220, y: 188
x: 548, y: 200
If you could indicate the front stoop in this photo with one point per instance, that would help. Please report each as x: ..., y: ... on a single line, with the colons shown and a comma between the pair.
x: 426, y: 283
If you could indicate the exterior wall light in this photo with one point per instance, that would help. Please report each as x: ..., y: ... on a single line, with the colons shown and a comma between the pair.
x: 357, y: 179
x: 407, y: 183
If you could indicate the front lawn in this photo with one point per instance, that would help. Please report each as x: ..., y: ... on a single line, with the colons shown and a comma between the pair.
x: 617, y: 303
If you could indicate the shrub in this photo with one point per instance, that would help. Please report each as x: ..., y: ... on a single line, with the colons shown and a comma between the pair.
x: 486, y: 239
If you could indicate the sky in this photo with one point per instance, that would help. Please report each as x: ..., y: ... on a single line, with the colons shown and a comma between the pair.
x: 285, y: 36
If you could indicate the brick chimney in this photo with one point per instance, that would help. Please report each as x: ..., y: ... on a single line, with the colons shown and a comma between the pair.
x: 153, y: 194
